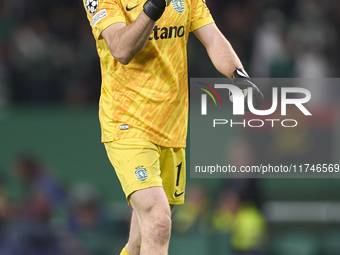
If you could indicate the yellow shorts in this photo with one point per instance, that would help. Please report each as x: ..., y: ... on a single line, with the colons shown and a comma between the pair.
x: 141, y: 164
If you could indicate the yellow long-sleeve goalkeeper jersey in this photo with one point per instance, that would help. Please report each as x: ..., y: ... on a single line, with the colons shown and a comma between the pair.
x: 148, y: 98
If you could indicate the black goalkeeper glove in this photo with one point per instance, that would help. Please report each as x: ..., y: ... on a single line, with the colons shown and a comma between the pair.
x: 241, y: 80
x: 154, y: 8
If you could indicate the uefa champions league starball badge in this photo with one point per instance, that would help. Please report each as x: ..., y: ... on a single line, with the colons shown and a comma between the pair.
x: 178, y: 5
x: 141, y: 173
x: 91, y: 6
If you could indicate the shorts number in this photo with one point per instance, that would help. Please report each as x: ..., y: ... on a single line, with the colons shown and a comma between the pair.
x: 178, y: 173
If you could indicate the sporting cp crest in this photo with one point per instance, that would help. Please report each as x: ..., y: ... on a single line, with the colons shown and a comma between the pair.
x: 141, y: 173
x: 178, y: 5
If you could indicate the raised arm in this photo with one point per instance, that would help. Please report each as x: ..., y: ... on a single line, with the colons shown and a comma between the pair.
x: 226, y: 61
x: 125, y: 41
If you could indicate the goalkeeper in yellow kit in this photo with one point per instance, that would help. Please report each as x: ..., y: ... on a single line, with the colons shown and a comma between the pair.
x: 144, y: 102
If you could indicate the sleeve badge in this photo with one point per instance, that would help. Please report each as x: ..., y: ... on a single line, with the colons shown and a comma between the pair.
x: 91, y: 6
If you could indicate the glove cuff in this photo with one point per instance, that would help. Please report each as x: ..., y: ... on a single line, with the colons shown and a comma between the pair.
x: 239, y: 73
x: 153, y: 10
x: 241, y: 79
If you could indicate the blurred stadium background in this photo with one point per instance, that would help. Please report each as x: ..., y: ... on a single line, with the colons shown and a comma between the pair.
x: 58, y: 192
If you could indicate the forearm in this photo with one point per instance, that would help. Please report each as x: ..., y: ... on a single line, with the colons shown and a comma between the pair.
x: 125, y: 41
x: 226, y: 61
x: 129, y: 40
x: 223, y: 55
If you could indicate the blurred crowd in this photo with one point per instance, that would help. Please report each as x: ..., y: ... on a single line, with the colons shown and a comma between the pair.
x: 39, y: 215
x: 282, y: 38
x: 48, y: 54
x: 231, y: 214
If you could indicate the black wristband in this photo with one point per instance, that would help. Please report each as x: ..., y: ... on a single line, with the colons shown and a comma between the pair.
x: 239, y: 73
x: 152, y: 10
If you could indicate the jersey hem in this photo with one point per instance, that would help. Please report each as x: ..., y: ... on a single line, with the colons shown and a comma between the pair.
x: 169, y: 145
